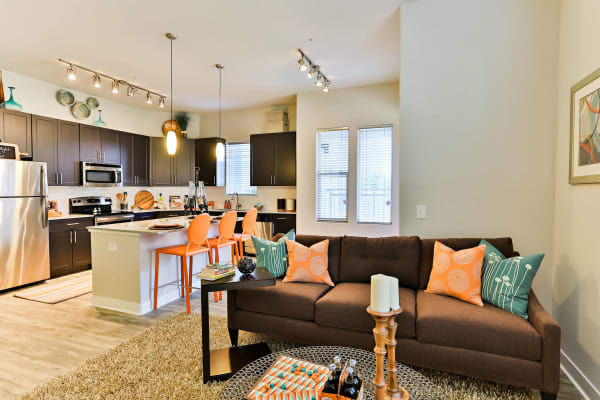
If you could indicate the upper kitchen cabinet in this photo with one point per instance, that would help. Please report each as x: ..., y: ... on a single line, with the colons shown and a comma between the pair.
x: 273, y: 159
x: 134, y: 151
x: 99, y: 144
x: 15, y: 127
x: 206, y: 160
x: 57, y: 143
x: 174, y: 170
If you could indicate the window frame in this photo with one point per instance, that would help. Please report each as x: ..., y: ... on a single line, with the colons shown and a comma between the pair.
x: 391, y: 126
x: 226, y: 169
x: 346, y: 202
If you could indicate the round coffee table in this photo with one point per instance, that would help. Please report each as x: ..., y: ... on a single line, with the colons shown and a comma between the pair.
x: 418, y: 386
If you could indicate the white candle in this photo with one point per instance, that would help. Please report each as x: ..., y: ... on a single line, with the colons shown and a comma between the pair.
x: 394, y: 293
x: 380, y: 293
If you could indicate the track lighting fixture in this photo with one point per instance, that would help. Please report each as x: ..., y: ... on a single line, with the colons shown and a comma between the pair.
x: 161, y: 102
x: 306, y: 64
x: 71, y: 73
x: 116, y: 82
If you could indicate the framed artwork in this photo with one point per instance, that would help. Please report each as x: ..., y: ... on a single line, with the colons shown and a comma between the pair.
x: 584, y: 151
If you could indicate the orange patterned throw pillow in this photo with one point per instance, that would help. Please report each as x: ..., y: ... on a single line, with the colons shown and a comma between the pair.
x: 307, y: 264
x: 457, y: 273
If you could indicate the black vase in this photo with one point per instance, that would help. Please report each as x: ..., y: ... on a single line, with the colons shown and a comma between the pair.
x: 246, y: 265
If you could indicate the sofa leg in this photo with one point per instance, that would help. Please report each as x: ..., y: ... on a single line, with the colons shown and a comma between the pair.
x: 233, y: 336
x: 548, y: 396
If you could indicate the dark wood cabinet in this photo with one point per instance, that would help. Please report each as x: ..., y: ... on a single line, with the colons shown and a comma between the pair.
x: 44, y: 132
x: 134, y: 151
x: 89, y: 143
x: 144, y: 216
x: 15, y: 127
x: 68, y: 153
x: 169, y: 214
x: 70, y: 246
x: 273, y: 159
x: 141, y: 159
x: 57, y: 143
x: 175, y: 170
x: 283, y: 223
x: 206, y: 160
x: 109, y: 146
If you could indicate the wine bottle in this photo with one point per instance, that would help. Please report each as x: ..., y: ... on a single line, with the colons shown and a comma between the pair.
x: 332, y: 384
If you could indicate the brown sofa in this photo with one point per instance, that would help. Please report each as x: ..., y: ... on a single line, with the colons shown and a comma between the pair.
x: 433, y: 331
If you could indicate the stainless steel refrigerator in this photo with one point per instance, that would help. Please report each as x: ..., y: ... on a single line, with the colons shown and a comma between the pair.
x: 24, y: 254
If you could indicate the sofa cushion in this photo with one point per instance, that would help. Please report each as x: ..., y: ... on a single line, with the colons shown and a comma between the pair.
x: 292, y: 300
x: 446, y: 321
x: 345, y: 307
x: 333, y: 254
x: 505, y: 245
x: 395, y: 256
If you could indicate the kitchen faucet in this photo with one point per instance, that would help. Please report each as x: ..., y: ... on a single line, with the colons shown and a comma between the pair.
x: 237, y: 200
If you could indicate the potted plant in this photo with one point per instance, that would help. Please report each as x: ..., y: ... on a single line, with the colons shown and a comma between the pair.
x: 183, y: 120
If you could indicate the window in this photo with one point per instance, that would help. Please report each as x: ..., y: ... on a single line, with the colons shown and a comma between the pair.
x: 374, y: 175
x: 332, y: 175
x: 238, y: 169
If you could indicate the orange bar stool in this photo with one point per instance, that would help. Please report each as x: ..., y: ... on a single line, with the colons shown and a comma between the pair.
x: 197, y: 244
x: 225, y: 239
x: 248, y: 225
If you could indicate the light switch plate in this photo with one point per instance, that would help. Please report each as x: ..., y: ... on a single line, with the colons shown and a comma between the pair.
x: 112, y: 247
x: 421, y: 211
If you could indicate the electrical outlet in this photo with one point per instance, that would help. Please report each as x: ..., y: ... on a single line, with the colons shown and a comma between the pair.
x: 421, y: 211
x: 112, y: 247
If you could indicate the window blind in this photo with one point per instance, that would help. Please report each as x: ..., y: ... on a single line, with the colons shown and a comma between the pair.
x: 332, y: 175
x: 374, y: 175
x: 238, y: 169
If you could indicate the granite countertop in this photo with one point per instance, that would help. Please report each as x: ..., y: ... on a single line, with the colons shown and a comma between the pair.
x: 141, y: 227
x: 70, y: 216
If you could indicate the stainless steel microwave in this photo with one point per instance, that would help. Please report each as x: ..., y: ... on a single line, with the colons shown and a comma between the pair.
x: 100, y: 174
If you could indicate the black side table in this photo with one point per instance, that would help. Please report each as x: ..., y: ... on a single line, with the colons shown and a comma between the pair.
x: 221, y: 364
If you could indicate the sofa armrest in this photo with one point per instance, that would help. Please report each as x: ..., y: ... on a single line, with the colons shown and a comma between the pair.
x: 549, y: 330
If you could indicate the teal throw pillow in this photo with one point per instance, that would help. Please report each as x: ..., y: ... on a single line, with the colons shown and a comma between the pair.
x: 506, y: 282
x: 273, y: 255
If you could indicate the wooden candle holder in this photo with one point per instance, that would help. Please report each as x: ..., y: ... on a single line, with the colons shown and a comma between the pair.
x: 385, y: 336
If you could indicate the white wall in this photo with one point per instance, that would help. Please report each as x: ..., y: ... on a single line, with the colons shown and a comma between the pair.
x: 576, y: 272
x: 237, y: 126
x: 39, y: 97
x: 352, y: 107
x: 478, y: 115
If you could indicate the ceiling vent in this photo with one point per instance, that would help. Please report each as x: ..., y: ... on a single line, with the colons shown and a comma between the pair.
x: 276, y: 120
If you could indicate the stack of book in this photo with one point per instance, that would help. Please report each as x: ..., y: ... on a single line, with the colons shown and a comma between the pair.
x: 215, y: 271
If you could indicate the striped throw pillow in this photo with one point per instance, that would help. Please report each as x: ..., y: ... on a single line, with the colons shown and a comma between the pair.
x: 273, y: 255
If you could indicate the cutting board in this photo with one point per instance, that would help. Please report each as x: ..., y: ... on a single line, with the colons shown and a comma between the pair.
x: 144, y: 200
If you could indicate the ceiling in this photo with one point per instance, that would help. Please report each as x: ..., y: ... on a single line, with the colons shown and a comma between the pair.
x: 355, y: 42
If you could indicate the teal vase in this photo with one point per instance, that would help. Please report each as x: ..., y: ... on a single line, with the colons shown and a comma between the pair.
x: 11, y: 104
x: 99, y: 122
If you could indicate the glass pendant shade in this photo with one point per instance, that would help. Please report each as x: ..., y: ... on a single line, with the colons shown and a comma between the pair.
x: 11, y: 104
x: 220, y: 151
x: 171, y: 143
x: 99, y: 122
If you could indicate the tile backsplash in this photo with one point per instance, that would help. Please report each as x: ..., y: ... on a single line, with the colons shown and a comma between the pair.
x: 266, y: 195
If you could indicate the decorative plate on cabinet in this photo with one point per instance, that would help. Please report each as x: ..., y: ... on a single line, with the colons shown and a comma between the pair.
x: 65, y: 97
x: 80, y: 110
x: 92, y: 103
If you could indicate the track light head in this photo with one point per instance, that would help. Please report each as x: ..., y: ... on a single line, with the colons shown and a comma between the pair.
x: 96, y: 80
x: 131, y: 91
x: 148, y: 98
x: 115, y: 87
x: 319, y: 81
x: 312, y: 70
x: 71, y: 73
x: 302, y: 64
x: 161, y: 102
x: 326, y: 86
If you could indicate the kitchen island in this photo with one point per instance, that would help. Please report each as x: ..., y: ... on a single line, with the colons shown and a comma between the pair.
x: 123, y: 264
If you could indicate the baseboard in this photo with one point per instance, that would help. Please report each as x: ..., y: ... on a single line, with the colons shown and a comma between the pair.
x: 117, y: 305
x: 580, y: 381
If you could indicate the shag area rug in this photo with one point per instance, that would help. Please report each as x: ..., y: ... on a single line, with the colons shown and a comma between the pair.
x: 164, y: 362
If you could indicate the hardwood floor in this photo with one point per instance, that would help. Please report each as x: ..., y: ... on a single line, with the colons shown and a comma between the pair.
x: 39, y: 341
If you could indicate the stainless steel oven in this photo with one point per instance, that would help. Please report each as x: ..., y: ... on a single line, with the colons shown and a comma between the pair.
x: 100, y: 174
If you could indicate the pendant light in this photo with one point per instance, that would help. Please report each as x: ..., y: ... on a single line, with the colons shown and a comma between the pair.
x: 171, y: 135
x: 220, y: 145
